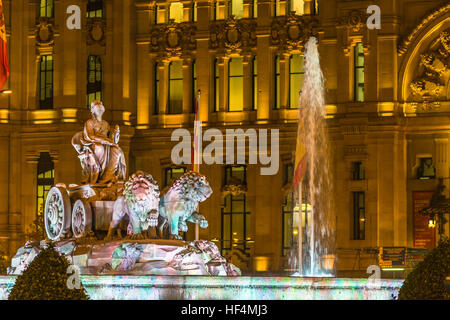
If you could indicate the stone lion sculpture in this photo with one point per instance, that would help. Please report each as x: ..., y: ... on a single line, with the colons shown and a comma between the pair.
x: 139, y: 202
x: 179, y: 204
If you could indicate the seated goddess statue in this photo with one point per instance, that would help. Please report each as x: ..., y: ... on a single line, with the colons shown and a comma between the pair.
x: 102, y: 160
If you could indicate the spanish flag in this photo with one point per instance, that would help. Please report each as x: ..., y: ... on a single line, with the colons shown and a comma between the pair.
x: 300, y: 152
x: 4, y: 64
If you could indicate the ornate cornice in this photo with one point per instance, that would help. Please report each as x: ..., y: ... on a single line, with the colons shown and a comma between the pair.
x: 96, y: 31
x: 173, y: 39
x: 291, y: 32
x: 233, y: 36
x: 234, y: 189
x: 45, y: 36
x: 407, y: 42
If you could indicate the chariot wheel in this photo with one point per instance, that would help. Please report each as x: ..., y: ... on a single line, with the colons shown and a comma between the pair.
x: 81, y: 218
x: 57, y: 213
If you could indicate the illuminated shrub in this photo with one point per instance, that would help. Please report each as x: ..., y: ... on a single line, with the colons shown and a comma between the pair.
x: 427, y: 280
x: 46, y: 279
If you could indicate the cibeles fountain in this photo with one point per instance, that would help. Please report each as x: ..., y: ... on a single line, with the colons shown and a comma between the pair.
x: 123, y: 234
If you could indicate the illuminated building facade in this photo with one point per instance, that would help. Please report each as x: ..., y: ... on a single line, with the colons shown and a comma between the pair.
x: 387, y: 99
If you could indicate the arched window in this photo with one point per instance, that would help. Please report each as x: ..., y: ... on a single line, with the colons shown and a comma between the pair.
x: 277, y: 82
x: 95, y: 9
x: 45, y: 180
x: 176, y: 12
x: 236, y: 8
x: 94, y: 79
x: 176, y: 87
x: 194, y: 86
x: 216, y: 85
x: 46, y: 9
x: 46, y: 82
x: 296, y: 75
x: 235, y: 85
x: 156, y: 88
x: 255, y: 83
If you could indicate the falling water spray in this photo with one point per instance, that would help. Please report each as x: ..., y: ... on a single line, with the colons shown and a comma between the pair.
x: 317, y: 195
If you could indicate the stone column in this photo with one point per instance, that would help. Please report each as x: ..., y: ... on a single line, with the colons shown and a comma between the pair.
x: 187, y: 89
x: 163, y: 69
x: 248, y: 82
x: 284, y: 80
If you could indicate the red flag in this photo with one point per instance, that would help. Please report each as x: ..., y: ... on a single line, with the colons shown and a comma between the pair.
x: 4, y: 64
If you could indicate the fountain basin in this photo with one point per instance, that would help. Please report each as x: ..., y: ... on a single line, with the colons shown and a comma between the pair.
x: 129, y: 287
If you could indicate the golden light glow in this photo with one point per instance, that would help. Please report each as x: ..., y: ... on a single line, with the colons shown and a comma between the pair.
x: 261, y: 264
x: 126, y: 118
x: 69, y: 115
x: 431, y: 223
x: 4, y: 115
x: 8, y: 91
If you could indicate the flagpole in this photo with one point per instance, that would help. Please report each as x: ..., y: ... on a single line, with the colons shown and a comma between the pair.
x: 300, y: 231
x: 197, y: 152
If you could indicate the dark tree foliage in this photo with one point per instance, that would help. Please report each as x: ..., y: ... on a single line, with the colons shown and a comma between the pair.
x: 427, y: 280
x: 46, y: 279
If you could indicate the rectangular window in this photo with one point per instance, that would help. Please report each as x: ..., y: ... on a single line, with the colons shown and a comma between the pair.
x: 359, y: 72
x: 194, y: 12
x: 426, y: 169
x: 95, y: 9
x: 235, y: 175
x: 216, y: 86
x: 94, y: 81
x: 358, y: 171
x: 276, y: 8
x: 176, y: 12
x: 236, y: 223
x: 216, y: 10
x: 255, y: 83
x: 297, y: 6
x: 46, y: 9
x: 255, y: 8
x: 156, y: 89
x: 176, y: 87
x: 172, y: 174
x: 289, y: 210
x: 359, y: 216
x: 277, y: 82
x: 235, y: 85
x: 296, y: 76
x: 45, y: 180
x: 46, y: 82
x: 236, y: 8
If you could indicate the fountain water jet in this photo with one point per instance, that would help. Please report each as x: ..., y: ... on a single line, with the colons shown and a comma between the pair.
x: 315, y: 194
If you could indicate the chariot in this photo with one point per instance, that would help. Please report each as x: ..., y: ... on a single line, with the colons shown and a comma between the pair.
x: 79, y: 210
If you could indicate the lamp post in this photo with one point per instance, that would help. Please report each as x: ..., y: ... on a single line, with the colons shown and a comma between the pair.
x: 439, y: 207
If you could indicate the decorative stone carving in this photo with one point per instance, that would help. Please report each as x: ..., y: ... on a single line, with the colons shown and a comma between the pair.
x: 355, y: 20
x: 173, y: 39
x: 234, y: 189
x: 233, y: 36
x: 431, y: 83
x: 407, y: 42
x: 44, y: 32
x: 292, y: 32
x: 96, y: 31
